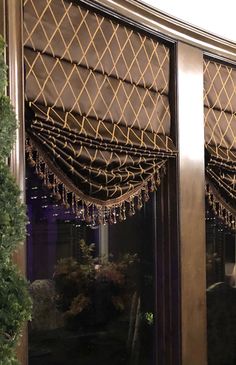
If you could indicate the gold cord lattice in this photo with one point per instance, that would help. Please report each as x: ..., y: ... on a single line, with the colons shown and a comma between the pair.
x: 220, y: 130
x: 98, y: 106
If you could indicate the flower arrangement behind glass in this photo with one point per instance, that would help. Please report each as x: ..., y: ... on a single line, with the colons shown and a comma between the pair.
x: 94, y: 290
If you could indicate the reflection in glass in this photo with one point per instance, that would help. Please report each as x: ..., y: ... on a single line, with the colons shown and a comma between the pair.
x: 221, y: 292
x: 92, y: 287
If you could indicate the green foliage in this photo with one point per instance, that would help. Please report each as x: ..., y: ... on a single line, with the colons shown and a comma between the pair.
x: 7, y: 116
x: 149, y: 318
x: 12, y: 214
x: 15, y: 304
x: 77, y: 281
x: 3, y: 68
x: 7, y: 355
x: 7, y: 127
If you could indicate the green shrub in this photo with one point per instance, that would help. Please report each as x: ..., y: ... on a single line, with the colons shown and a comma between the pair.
x: 12, y: 214
x: 3, y: 68
x: 15, y: 304
x: 7, y: 127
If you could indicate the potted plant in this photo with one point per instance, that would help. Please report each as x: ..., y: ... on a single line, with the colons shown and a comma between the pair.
x: 91, y: 291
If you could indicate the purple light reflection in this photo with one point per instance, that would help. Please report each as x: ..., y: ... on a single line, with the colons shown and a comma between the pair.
x: 45, y: 218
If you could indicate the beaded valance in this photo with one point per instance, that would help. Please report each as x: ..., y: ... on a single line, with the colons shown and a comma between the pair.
x: 220, y: 137
x: 98, y: 113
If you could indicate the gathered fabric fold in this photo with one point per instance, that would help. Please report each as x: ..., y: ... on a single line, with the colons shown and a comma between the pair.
x: 98, y: 112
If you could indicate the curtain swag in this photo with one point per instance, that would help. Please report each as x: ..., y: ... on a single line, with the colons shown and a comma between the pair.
x: 219, y: 207
x: 220, y: 138
x: 97, y: 109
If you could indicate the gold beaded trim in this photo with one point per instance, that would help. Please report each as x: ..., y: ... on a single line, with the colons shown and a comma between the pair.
x: 220, y: 208
x: 84, y: 208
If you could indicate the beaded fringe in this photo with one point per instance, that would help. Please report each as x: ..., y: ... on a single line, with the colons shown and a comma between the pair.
x: 85, y: 210
x: 219, y: 209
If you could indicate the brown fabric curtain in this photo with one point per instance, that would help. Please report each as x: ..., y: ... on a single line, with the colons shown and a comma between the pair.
x: 98, y: 114
x: 220, y: 136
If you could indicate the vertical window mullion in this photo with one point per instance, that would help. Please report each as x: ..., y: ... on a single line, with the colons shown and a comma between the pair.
x: 191, y: 203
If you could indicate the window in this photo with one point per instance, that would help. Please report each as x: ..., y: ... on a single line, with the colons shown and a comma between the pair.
x: 93, y: 288
x: 221, y: 297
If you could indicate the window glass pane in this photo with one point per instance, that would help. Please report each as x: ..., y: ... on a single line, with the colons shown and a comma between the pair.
x: 93, y: 288
x: 221, y: 292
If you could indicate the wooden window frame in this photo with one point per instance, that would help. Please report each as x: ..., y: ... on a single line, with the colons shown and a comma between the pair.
x: 181, y: 244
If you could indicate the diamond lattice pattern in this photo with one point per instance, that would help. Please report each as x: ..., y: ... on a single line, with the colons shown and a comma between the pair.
x: 220, y: 127
x: 220, y: 105
x: 99, y: 95
x: 107, y: 71
x: 75, y: 34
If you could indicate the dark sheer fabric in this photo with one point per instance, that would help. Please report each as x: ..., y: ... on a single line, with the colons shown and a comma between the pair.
x: 220, y: 138
x: 98, y: 103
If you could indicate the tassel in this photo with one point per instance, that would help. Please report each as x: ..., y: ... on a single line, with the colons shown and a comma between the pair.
x: 56, y: 194
x: 99, y: 219
x: 88, y: 217
x: 140, y: 202
x: 90, y: 212
x: 219, y: 210
x: 82, y: 211
x: 120, y: 214
x: 104, y: 221
x: 31, y: 161
x: 145, y: 196
x: 114, y: 215
x: 152, y: 185
x: 93, y: 216
x: 124, y: 211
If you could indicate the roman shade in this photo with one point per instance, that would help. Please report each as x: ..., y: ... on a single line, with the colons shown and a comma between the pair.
x: 98, y: 114
x: 220, y: 138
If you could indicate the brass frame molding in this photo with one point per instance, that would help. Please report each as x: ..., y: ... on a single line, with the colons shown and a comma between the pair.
x: 191, y: 215
x: 171, y: 27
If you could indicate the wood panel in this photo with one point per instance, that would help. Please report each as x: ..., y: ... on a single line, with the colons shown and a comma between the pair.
x: 191, y: 204
x: 168, y: 272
